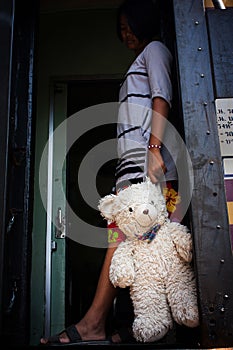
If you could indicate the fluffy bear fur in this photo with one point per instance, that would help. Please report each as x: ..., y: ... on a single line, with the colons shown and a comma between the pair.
x: 158, y: 272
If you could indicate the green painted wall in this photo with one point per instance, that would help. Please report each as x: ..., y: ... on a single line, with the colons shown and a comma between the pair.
x: 71, y: 44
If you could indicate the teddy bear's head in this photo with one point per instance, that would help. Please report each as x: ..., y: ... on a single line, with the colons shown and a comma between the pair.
x: 137, y: 209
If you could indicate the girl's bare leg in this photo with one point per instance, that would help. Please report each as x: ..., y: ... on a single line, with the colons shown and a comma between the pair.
x: 92, y: 325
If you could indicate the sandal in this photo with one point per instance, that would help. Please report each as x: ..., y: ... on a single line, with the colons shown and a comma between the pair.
x: 74, y: 339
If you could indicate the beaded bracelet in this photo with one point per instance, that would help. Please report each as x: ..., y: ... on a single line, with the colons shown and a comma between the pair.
x: 154, y: 146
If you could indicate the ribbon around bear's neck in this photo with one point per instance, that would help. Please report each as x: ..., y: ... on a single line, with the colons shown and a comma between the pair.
x: 150, y: 235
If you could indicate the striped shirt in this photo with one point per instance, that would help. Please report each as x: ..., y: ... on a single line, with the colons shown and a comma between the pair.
x: 147, y: 77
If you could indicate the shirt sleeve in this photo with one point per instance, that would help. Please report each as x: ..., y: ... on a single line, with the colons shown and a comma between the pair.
x: 158, y: 61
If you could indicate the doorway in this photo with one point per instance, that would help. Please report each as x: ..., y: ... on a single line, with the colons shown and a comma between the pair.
x: 84, y: 262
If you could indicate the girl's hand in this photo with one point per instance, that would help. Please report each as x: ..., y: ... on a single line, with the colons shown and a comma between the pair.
x: 156, y: 167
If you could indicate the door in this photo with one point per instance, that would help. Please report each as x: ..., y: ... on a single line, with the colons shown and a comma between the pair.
x: 52, y: 188
x: 69, y: 260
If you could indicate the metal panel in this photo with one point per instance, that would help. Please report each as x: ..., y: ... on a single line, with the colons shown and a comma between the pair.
x: 6, y: 28
x: 17, y: 244
x: 208, y: 211
x: 220, y: 26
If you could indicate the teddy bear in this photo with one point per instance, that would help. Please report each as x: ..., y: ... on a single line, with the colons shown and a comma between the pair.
x: 154, y: 261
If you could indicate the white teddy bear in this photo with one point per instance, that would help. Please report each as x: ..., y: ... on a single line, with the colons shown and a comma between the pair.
x: 154, y: 261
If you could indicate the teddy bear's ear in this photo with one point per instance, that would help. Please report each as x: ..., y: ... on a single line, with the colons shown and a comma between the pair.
x: 106, y: 206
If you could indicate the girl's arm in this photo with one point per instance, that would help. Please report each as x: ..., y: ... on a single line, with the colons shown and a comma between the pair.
x: 156, y: 166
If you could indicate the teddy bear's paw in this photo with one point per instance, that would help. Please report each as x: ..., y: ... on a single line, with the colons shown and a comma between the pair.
x: 121, y: 271
x: 121, y: 282
x: 121, y: 278
x: 146, y: 330
x: 188, y: 317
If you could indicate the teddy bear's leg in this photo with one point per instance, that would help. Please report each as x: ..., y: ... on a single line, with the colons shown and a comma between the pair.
x: 152, y: 314
x: 182, y: 297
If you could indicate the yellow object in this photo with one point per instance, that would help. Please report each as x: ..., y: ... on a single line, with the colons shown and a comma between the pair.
x: 230, y: 212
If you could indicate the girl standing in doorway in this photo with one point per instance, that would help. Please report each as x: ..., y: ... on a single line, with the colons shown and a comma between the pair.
x: 145, y: 87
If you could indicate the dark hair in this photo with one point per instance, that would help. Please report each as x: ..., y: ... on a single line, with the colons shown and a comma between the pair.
x: 143, y: 18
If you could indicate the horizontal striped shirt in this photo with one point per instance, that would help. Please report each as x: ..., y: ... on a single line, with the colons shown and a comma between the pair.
x: 148, y: 77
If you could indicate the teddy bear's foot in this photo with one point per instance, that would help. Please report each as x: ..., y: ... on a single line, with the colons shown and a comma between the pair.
x: 147, y: 330
x: 188, y: 317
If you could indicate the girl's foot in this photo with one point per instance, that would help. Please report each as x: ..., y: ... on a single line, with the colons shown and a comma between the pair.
x: 80, y: 332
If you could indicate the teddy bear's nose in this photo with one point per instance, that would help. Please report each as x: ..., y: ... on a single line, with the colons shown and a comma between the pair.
x: 145, y: 211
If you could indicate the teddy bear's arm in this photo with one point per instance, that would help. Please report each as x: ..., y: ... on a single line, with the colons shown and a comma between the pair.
x: 182, y: 240
x: 121, y: 271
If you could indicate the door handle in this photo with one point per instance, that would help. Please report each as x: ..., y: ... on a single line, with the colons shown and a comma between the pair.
x: 60, y: 230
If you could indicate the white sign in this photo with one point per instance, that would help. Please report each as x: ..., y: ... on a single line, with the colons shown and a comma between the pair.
x: 224, y: 111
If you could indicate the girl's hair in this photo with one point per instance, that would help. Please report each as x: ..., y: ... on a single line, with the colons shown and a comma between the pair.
x: 143, y: 18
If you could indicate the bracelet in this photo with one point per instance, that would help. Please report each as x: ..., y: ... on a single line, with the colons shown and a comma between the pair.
x: 154, y: 146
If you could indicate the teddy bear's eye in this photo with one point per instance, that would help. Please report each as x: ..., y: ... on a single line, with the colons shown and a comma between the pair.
x: 130, y: 210
x: 152, y: 202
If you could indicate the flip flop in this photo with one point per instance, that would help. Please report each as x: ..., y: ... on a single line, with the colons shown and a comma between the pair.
x: 74, y: 337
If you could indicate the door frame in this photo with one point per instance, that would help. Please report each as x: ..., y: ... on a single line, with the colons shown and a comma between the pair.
x: 52, y: 182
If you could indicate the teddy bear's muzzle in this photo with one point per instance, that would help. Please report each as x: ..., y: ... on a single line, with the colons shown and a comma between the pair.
x: 146, y: 215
